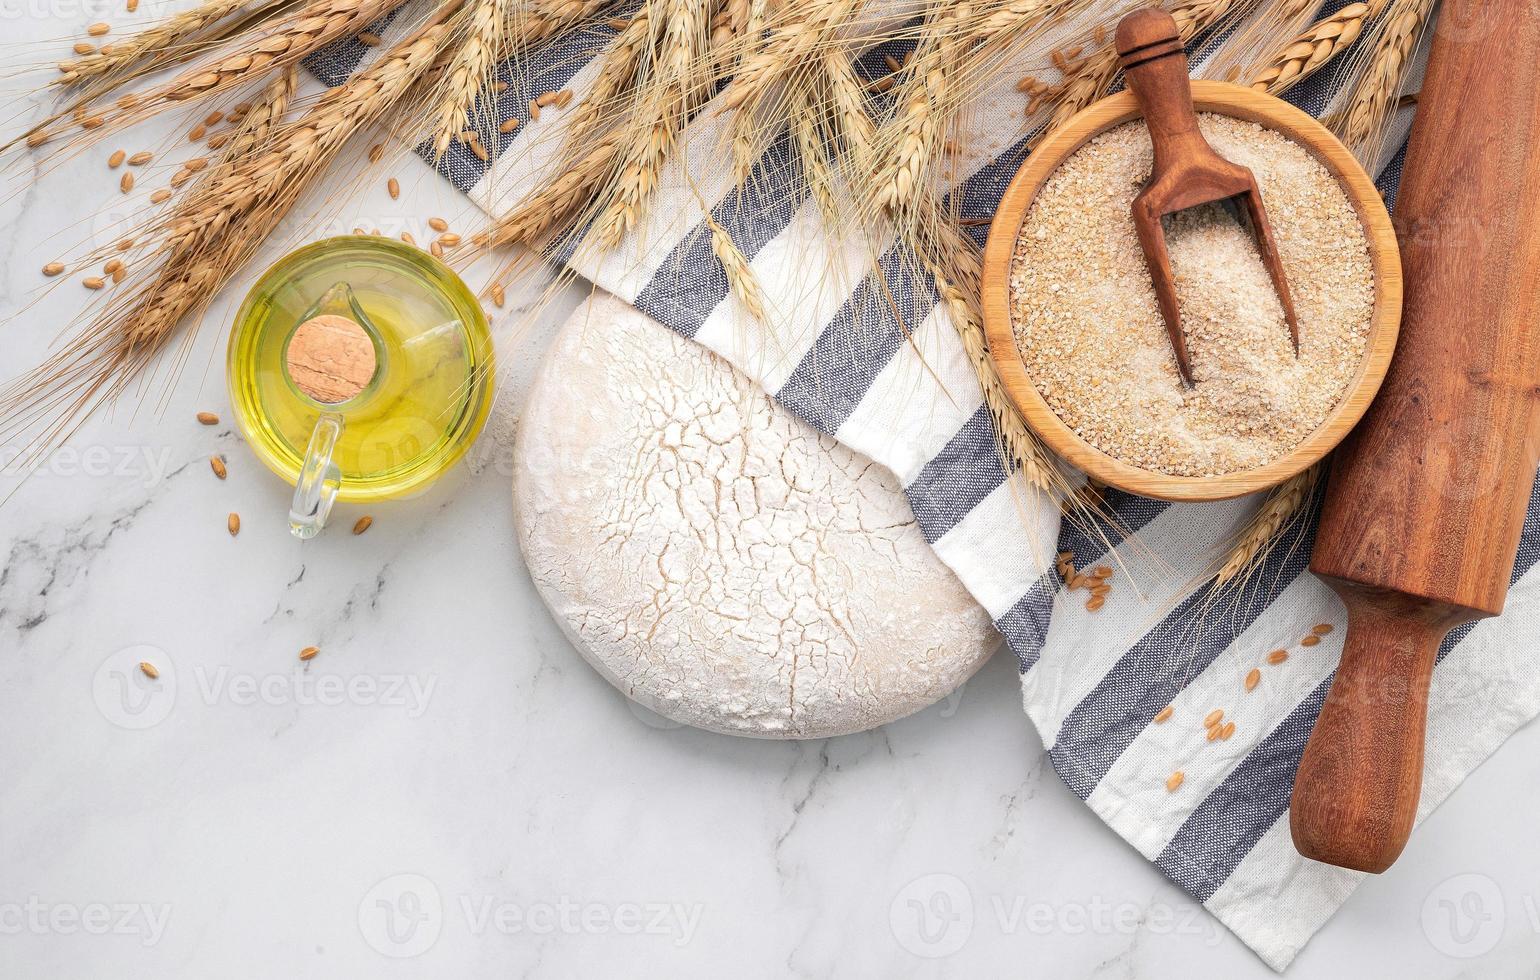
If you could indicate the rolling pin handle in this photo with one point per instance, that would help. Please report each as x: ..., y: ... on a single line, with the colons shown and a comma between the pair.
x: 1355, y: 796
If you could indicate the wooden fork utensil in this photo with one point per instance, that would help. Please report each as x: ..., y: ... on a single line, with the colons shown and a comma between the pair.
x: 1187, y: 171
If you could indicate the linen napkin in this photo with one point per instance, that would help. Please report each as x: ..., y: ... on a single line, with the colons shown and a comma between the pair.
x: 896, y: 386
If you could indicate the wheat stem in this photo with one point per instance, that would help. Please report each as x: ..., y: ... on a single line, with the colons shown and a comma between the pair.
x: 1280, y: 507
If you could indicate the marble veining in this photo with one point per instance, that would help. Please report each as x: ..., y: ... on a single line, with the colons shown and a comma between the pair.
x: 447, y: 790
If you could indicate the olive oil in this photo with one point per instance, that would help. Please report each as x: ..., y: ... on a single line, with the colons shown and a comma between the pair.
x: 425, y: 392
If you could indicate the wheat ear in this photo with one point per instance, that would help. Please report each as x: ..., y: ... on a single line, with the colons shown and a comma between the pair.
x: 666, y: 103
x: 285, y: 42
x: 1093, y: 77
x: 913, y: 148
x: 1372, y: 100
x: 798, y: 34
x: 134, y: 49
x: 538, y: 218
x: 1281, y: 506
x: 469, y: 68
x: 1258, y: 37
x: 740, y: 275
x: 1302, y: 57
x: 254, y: 193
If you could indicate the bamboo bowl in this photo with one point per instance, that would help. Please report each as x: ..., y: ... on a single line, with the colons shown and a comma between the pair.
x: 1224, y: 99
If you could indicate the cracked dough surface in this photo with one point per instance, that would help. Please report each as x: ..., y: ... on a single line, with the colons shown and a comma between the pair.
x: 717, y: 559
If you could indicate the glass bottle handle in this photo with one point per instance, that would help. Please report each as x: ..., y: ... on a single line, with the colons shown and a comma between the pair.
x: 319, y: 480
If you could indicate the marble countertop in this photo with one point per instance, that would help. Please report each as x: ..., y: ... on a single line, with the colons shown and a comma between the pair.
x: 449, y: 791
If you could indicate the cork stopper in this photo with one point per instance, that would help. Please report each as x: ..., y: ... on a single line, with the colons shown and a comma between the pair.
x: 331, y: 358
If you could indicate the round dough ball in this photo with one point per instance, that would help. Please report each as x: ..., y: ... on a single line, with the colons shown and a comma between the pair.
x: 717, y: 559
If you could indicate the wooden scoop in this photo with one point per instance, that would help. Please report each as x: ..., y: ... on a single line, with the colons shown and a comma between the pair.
x: 1187, y: 171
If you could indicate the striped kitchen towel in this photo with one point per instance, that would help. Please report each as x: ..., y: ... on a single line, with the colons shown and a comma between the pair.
x: 895, y: 385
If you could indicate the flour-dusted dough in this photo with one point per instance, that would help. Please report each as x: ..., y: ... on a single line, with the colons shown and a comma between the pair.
x: 714, y: 557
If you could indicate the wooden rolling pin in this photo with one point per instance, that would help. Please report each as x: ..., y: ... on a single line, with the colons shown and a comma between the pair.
x: 1427, y: 498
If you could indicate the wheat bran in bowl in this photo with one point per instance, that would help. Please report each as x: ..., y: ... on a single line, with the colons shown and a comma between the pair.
x: 1087, y: 326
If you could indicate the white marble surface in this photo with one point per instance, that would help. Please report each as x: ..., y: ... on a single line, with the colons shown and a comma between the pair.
x: 448, y: 791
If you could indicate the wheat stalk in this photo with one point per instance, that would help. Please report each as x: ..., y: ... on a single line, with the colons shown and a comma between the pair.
x: 1302, y: 57
x: 1281, y: 506
x: 253, y: 193
x: 807, y: 26
x: 285, y: 42
x: 740, y: 276
x: 665, y: 106
x: 952, y: 260
x: 1372, y: 98
x: 130, y: 51
x: 469, y: 68
x: 538, y: 217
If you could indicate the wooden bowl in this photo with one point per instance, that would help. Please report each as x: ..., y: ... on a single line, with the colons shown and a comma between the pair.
x: 1224, y: 99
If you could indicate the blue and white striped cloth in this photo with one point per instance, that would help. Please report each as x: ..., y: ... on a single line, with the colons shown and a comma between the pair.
x: 903, y: 393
